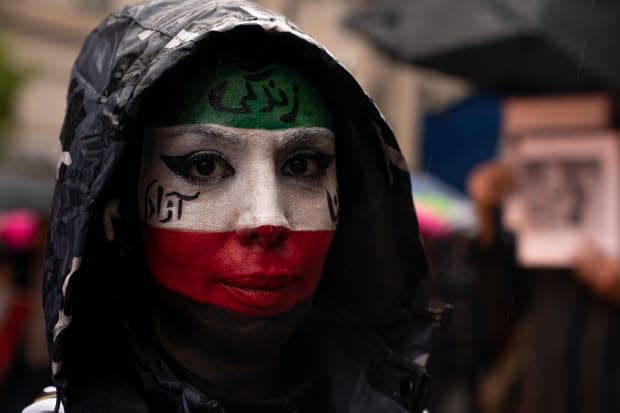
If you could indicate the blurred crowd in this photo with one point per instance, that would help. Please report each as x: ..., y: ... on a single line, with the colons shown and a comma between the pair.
x: 528, y: 336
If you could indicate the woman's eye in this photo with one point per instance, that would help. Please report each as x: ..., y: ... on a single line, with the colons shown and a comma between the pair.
x: 301, y: 166
x: 202, y: 167
x: 199, y: 167
x: 307, y: 165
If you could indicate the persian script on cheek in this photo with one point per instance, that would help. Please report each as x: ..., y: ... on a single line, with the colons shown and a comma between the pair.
x: 332, y: 205
x: 164, y: 206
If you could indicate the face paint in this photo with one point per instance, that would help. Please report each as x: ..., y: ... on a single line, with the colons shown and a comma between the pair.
x: 247, y: 96
x: 239, y: 218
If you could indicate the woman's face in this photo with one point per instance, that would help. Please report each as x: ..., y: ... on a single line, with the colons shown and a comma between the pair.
x: 238, y: 218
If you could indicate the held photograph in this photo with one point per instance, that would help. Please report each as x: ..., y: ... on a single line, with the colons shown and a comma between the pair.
x: 568, y: 195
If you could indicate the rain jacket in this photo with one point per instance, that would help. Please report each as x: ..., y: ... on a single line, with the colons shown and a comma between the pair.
x: 376, y: 326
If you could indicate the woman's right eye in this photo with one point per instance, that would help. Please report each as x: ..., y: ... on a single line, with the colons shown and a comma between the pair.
x: 199, y: 167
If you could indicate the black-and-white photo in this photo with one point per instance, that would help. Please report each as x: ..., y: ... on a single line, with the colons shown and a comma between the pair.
x: 568, y: 195
x: 561, y: 192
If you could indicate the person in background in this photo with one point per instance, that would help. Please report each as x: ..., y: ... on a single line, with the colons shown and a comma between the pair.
x: 564, y: 357
x: 23, y: 361
x: 478, y: 367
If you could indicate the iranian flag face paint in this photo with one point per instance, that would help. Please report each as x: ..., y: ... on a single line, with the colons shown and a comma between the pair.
x: 236, y: 217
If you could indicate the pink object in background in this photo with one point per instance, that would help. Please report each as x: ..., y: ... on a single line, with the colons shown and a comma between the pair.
x: 19, y: 229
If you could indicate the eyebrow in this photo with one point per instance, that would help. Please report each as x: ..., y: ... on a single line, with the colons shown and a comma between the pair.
x: 208, y: 131
x: 302, y: 136
x: 289, y: 138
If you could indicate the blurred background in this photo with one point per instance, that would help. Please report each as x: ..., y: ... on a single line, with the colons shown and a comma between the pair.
x: 477, y: 91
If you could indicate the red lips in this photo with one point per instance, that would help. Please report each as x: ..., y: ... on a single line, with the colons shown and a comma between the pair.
x: 260, y: 280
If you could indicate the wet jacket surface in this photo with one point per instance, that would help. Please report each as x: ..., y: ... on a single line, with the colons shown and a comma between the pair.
x: 374, y: 329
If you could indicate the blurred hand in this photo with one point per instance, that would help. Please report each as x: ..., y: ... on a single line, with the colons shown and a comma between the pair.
x: 599, y: 271
x: 488, y: 185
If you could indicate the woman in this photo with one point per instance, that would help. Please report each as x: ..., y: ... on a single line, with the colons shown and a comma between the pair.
x: 232, y: 228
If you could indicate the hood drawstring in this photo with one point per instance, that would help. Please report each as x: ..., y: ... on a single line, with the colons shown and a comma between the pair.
x: 58, y: 399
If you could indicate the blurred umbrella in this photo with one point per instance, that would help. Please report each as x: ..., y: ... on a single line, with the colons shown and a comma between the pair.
x: 510, y: 46
x: 440, y: 208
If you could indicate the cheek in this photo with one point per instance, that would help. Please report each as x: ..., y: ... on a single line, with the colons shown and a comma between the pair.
x: 317, y: 208
x: 168, y: 201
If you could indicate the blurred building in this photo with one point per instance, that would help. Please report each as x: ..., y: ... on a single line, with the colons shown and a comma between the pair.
x: 44, y: 37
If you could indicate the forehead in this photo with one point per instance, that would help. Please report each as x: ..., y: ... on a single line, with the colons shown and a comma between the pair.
x: 239, y: 94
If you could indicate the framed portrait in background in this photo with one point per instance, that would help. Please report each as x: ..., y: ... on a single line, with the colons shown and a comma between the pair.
x: 568, y: 195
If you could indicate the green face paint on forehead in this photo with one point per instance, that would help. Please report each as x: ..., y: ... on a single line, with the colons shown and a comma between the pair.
x: 270, y: 96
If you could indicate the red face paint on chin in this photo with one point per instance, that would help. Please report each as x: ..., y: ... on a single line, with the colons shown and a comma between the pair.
x: 249, y: 278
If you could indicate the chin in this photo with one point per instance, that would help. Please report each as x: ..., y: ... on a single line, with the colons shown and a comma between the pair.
x: 222, y: 331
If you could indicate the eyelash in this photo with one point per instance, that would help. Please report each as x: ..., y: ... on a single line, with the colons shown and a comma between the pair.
x: 182, y: 166
x: 323, y: 162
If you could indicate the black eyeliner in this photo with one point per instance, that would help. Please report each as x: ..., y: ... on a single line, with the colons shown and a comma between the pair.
x: 177, y: 164
x: 181, y: 165
x: 323, y: 161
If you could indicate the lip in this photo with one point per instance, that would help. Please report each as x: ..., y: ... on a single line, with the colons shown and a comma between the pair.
x: 259, y: 291
x: 259, y: 282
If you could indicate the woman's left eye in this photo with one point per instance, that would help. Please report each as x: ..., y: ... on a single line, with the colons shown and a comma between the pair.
x: 199, y: 167
x: 307, y: 165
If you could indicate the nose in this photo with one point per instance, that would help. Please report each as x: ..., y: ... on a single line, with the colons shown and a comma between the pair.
x: 262, y: 218
x: 265, y: 236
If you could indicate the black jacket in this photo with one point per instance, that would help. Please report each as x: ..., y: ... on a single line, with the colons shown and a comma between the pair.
x: 373, y: 298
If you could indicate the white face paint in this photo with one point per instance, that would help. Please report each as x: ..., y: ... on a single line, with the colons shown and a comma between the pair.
x: 238, y: 218
x: 215, y: 178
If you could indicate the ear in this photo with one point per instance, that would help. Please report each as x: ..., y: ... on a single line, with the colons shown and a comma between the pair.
x: 118, y: 229
x: 111, y: 212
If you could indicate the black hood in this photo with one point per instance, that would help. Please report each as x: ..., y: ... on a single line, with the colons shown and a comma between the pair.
x: 376, y: 271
